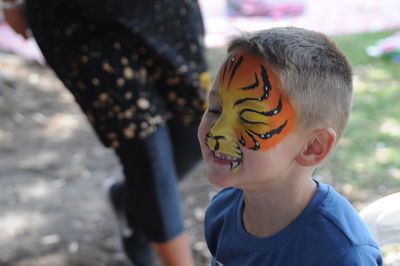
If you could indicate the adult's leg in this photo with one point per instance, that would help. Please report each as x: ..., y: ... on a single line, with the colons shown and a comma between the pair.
x: 153, y: 196
x: 133, y: 238
x: 100, y: 74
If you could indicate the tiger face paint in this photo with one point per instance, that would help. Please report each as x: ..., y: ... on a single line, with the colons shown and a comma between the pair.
x: 254, y: 113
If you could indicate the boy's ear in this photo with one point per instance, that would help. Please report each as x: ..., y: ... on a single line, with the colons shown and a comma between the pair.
x: 318, y: 148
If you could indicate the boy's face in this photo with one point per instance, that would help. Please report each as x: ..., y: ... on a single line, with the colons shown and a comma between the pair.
x: 247, y: 119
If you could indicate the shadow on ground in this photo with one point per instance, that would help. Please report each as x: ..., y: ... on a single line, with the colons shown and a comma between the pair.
x: 52, y: 169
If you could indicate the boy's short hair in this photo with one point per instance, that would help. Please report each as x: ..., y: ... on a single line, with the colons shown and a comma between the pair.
x: 314, y: 73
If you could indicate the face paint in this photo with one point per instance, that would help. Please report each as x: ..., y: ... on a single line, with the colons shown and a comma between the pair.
x: 255, y: 114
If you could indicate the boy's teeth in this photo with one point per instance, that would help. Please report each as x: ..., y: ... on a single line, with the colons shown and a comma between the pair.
x: 225, y: 156
x: 234, y: 164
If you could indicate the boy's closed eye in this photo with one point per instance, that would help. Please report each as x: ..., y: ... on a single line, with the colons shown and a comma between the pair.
x: 214, y: 111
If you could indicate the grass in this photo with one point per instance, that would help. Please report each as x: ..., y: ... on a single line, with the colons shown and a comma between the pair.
x: 367, y: 157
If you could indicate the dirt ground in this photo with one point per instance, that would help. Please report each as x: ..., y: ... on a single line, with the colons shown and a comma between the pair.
x: 54, y: 210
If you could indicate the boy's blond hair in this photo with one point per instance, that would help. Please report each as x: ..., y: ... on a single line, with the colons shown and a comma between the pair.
x: 314, y: 73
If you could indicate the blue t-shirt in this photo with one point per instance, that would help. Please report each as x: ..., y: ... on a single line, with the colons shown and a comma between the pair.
x: 328, y: 232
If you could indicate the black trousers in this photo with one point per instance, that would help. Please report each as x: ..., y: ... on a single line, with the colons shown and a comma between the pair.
x: 152, y: 167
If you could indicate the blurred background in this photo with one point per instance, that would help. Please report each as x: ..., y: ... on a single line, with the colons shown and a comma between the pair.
x: 53, y: 209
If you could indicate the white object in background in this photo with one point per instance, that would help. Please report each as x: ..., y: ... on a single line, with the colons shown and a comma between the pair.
x: 383, y: 219
x: 12, y: 42
x: 384, y: 46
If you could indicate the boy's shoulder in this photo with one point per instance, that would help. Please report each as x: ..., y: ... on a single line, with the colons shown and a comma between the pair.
x: 223, y: 208
x: 339, y: 215
x: 220, y: 217
x: 337, y: 228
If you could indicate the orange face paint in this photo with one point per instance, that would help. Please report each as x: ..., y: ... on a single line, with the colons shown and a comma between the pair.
x: 255, y: 113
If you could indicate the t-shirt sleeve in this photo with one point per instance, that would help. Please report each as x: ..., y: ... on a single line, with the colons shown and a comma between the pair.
x: 361, y: 255
x: 215, y: 216
x: 212, y: 223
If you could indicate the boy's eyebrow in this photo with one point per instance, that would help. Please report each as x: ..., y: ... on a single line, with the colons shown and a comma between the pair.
x: 214, y: 96
x: 213, y: 93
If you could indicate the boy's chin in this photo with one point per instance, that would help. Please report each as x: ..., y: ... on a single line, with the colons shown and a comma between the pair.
x: 219, y: 181
x: 221, y: 176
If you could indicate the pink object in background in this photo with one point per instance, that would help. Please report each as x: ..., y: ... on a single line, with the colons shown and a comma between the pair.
x: 331, y: 18
x: 12, y: 42
x: 272, y: 9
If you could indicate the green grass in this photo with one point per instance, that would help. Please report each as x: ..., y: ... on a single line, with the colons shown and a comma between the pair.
x: 354, y: 45
x: 368, y: 155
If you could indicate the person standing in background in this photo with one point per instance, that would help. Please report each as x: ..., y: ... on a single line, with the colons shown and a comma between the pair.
x: 138, y: 71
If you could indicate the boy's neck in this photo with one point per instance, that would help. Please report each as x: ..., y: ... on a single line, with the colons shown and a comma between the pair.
x: 267, y: 212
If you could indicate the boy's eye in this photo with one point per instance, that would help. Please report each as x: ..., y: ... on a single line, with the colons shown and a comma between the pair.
x: 214, y: 111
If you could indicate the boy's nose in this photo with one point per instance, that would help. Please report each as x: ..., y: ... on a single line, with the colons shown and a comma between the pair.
x: 223, y: 130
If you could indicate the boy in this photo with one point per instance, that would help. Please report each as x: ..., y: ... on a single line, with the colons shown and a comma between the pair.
x: 279, y: 104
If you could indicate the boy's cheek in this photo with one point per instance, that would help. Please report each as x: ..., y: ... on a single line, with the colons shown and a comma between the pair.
x: 203, y: 129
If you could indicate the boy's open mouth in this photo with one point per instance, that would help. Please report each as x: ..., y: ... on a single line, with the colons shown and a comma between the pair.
x: 234, y: 162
